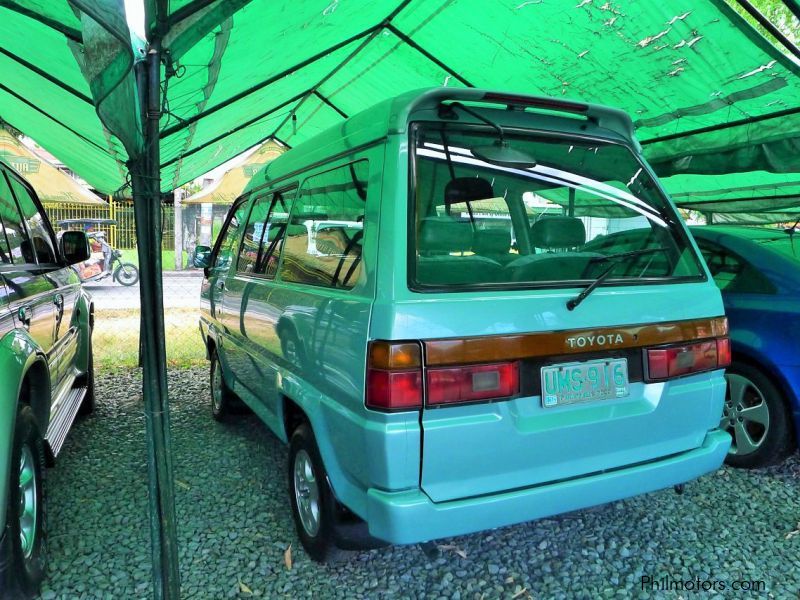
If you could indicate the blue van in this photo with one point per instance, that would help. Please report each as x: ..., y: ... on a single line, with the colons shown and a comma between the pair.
x: 450, y: 354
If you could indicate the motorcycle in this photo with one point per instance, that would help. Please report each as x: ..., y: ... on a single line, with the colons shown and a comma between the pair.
x: 105, y: 260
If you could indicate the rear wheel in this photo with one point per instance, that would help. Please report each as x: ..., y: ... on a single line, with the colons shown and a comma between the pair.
x: 87, y: 380
x: 313, y: 504
x: 25, y: 513
x: 126, y: 274
x: 757, y: 417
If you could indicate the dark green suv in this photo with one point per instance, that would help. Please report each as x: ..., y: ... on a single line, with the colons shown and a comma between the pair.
x: 46, y: 364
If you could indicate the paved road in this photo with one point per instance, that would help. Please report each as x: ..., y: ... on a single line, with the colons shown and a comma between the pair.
x: 180, y: 291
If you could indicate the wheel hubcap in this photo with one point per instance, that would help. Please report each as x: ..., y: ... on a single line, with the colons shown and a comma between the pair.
x: 216, y: 388
x: 745, y: 415
x: 306, y: 493
x: 28, y: 501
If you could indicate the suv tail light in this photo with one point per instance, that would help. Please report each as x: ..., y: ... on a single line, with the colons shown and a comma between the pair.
x: 472, y: 383
x: 394, y: 376
x: 674, y: 361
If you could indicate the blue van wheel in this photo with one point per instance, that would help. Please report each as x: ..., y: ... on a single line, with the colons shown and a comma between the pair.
x: 311, y: 497
x: 223, y: 400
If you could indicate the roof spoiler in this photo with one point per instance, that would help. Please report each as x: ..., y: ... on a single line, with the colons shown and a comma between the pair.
x: 609, y: 118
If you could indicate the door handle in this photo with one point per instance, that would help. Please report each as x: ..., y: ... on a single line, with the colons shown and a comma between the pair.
x: 220, y: 285
x: 58, y: 300
x: 25, y: 313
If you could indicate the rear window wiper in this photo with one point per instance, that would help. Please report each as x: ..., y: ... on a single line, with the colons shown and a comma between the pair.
x: 573, y: 303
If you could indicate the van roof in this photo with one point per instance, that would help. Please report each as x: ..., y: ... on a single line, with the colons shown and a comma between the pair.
x: 392, y: 115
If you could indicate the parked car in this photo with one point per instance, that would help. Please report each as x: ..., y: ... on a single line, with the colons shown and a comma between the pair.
x: 758, y: 271
x: 432, y: 379
x: 46, y: 323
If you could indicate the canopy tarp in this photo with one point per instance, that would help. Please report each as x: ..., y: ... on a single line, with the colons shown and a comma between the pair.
x: 234, y: 180
x: 51, y: 185
x: 735, y: 192
x: 707, y: 92
x: 66, y: 64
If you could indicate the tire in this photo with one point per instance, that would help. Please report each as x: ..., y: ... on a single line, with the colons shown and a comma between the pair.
x: 757, y: 416
x: 87, y: 380
x: 26, y: 560
x: 126, y: 274
x: 223, y: 401
x: 311, y: 497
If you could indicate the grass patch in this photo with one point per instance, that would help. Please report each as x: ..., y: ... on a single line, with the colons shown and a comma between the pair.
x: 116, y: 338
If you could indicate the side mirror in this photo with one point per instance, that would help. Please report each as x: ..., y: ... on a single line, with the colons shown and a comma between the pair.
x: 74, y: 247
x: 202, y: 257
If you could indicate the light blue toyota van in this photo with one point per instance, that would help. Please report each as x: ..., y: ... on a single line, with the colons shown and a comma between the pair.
x: 460, y: 347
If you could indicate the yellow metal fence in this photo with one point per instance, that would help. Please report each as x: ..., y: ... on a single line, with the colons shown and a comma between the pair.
x: 121, y: 235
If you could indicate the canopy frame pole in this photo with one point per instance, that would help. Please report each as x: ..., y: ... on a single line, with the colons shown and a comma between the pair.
x: 769, y: 26
x: 146, y: 184
x: 411, y: 43
x: 711, y: 128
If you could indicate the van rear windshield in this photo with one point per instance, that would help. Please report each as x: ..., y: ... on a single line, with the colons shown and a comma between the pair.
x: 537, y: 210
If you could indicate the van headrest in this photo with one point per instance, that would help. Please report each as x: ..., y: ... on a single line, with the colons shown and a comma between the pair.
x: 558, y: 231
x: 467, y: 189
x: 441, y: 235
x: 492, y: 241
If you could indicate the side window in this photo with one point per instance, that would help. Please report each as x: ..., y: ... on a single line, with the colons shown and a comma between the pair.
x: 230, y: 234
x: 731, y: 273
x: 324, y: 239
x: 39, y: 233
x: 17, y: 247
x: 263, y: 237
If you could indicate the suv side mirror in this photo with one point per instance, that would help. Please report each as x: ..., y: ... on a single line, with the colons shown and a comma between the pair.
x: 74, y: 247
x: 202, y: 257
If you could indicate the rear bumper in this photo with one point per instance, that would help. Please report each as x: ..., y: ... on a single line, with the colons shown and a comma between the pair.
x: 410, y: 516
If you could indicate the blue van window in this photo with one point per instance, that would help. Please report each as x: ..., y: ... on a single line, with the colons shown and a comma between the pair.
x: 263, y: 236
x: 230, y: 234
x: 324, y: 238
x: 541, y: 210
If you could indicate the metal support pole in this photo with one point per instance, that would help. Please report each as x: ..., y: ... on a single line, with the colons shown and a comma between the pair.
x: 178, y: 227
x: 145, y: 176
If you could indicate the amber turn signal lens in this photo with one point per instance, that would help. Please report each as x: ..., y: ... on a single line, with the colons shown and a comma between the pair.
x: 394, y: 355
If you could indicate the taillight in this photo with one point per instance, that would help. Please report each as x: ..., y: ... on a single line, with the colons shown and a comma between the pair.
x: 674, y: 361
x: 394, y: 376
x: 472, y: 383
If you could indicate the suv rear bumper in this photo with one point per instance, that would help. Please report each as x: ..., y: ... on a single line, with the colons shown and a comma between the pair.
x: 410, y: 516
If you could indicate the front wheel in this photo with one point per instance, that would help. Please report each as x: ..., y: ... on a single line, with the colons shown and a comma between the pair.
x: 223, y: 400
x: 126, y: 274
x: 24, y: 546
x: 757, y: 417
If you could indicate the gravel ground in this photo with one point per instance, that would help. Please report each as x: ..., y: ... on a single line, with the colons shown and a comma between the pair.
x: 235, y: 525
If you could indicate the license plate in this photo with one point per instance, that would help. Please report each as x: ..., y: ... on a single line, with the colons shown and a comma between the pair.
x: 584, y: 382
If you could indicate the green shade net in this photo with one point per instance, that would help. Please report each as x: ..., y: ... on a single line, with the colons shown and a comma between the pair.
x: 66, y: 65
x: 708, y: 94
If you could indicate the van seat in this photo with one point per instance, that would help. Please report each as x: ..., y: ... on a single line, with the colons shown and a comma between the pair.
x: 444, y: 244
x: 494, y: 243
x: 553, y: 234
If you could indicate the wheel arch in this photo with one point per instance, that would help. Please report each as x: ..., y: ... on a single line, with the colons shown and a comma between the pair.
x: 746, y: 355
x: 26, y: 377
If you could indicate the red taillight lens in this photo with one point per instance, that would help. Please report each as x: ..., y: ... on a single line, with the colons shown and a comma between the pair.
x: 723, y: 352
x: 663, y: 363
x: 472, y: 383
x: 394, y: 376
x: 394, y: 390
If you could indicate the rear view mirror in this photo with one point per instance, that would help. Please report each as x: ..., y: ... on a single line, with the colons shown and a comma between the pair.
x: 500, y: 153
x: 74, y: 247
x: 467, y: 189
x: 202, y: 257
